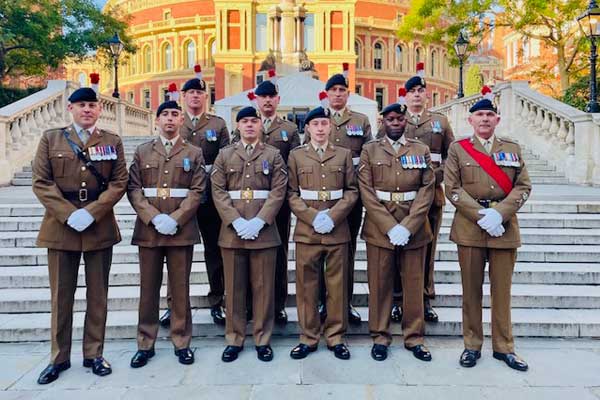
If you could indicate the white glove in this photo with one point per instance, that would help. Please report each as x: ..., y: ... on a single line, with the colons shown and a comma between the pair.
x: 323, y: 223
x: 80, y: 219
x: 496, y: 231
x: 491, y: 219
x: 253, y: 227
x: 239, y: 224
x: 399, y: 235
x: 164, y: 224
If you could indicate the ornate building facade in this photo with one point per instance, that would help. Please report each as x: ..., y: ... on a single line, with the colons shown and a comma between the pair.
x: 230, y: 39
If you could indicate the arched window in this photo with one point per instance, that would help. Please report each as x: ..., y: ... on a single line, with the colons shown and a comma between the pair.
x: 378, y: 56
x: 82, y: 79
x: 167, y: 57
x: 417, y: 56
x: 147, y: 59
x: 433, y: 62
x: 189, y: 50
x: 212, y: 49
x: 358, y: 52
x: 398, y: 58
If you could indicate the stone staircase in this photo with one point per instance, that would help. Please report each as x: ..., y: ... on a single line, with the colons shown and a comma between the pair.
x: 556, y: 291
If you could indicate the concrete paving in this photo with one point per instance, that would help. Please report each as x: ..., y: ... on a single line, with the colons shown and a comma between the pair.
x: 559, y: 369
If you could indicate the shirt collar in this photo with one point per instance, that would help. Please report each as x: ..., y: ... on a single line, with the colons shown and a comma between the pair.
x: 316, y: 147
x: 244, y: 143
x: 78, y: 128
x: 402, y: 140
x: 173, y: 141
x: 415, y: 114
x: 341, y: 112
x: 192, y: 116
x: 482, y: 140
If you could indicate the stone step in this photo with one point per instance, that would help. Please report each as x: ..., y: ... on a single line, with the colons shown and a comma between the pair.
x: 545, y: 174
x: 573, y: 323
x: 121, y: 298
x: 547, y: 180
x: 15, y: 277
x: 123, y: 254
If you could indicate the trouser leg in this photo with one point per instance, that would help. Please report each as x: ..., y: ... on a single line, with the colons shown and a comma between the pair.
x: 472, y: 267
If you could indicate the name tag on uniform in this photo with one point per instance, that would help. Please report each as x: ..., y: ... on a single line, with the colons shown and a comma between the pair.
x: 284, y: 136
x: 265, y: 167
x: 413, y: 162
x: 102, y: 153
x: 211, y: 135
x: 187, y: 165
x: 506, y: 159
x: 354, y: 130
x: 436, y: 126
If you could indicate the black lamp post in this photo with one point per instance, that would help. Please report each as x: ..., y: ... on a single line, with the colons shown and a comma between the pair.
x: 116, y: 47
x: 589, y: 22
x: 460, y: 47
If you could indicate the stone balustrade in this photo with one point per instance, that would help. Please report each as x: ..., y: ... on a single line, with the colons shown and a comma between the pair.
x: 22, y: 123
x: 569, y: 139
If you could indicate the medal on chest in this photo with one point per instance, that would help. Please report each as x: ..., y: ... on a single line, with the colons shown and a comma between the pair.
x: 211, y: 135
x: 187, y: 165
x: 102, y: 153
x: 354, y: 130
x: 284, y: 136
x: 506, y: 159
x: 265, y: 167
x: 436, y: 126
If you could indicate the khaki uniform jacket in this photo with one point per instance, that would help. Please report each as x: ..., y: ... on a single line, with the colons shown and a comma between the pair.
x: 197, y: 135
x: 380, y: 169
x: 56, y: 169
x: 153, y: 168
x: 309, y: 172
x: 351, y: 121
x: 235, y: 170
x: 273, y: 136
x: 466, y: 182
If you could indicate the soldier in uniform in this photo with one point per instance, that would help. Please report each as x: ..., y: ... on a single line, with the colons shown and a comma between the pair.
x: 283, y: 135
x: 209, y: 133
x: 434, y: 130
x: 166, y: 182
x: 486, y: 180
x: 350, y: 130
x: 322, y: 192
x: 249, y: 182
x: 79, y: 174
x: 396, y: 182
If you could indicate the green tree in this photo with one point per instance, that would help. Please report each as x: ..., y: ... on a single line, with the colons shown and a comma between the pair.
x: 552, y: 22
x: 474, y: 80
x: 39, y: 34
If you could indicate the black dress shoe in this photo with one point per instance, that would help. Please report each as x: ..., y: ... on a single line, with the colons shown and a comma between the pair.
x: 340, y: 351
x: 379, y: 352
x: 99, y: 366
x: 264, y: 353
x: 141, y: 357
x: 420, y: 351
x: 218, y: 314
x: 302, y: 351
x: 353, y: 316
x: 396, y: 315
x: 322, y: 312
x: 512, y: 360
x: 231, y: 353
x: 429, y: 312
x: 469, y: 358
x: 51, y: 372
x: 281, y: 317
x: 186, y: 356
x: 165, y: 320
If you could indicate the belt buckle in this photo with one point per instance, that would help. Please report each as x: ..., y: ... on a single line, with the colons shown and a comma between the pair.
x: 397, y: 197
x: 247, y: 194
x: 83, y: 194
x: 324, y: 195
x: 163, y: 192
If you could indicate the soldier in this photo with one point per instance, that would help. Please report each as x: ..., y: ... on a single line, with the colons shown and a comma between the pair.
x: 284, y: 136
x: 79, y: 174
x: 166, y: 182
x: 488, y: 183
x: 322, y: 192
x: 396, y: 182
x: 209, y: 133
x: 350, y: 130
x: 434, y: 130
x: 249, y: 181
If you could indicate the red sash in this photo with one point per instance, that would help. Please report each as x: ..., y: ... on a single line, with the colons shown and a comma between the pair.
x: 488, y: 165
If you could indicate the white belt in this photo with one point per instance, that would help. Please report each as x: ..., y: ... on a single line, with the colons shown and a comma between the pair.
x: 322, y: 195
x: 165, y: 192
x: 208, y: 168
x: 396, y: 196
x: 249, y: 194
x: 436, y: 157
x: 355, y: 161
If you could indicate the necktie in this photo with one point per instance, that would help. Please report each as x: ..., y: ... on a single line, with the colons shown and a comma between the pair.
x: 416, y: 119
x: 488, y: 146
x: 337, y: 117
x: 320, y: 152
x: 249, y: 149
x: 84, y: 135
x: 194, y: 121
x: 168, y: 146
x: 267, y: 124
x: 397, y: 145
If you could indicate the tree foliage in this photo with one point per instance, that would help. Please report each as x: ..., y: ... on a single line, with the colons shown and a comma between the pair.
x: 474, y: 80
x: 39, y: 34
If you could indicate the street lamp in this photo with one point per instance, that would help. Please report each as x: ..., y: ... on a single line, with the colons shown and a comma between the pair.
x: 589, y: 22
x: 460, y: 47
x: 116, y: 47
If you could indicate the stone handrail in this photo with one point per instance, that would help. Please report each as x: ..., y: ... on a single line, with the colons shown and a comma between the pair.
x: 569, y: 139
x: 22, y: 123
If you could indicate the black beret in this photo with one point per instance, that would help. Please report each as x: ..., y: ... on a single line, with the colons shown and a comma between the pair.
x: 318, y: 112
x: 167, y: 105
x: 414, y: 81
x: 194, y: 83
x: 483, y: 104
x: 266, y: 88
x: 83, y: 94
x: 247, y: 112
x: 395, y: 107
x: 337, y: 79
